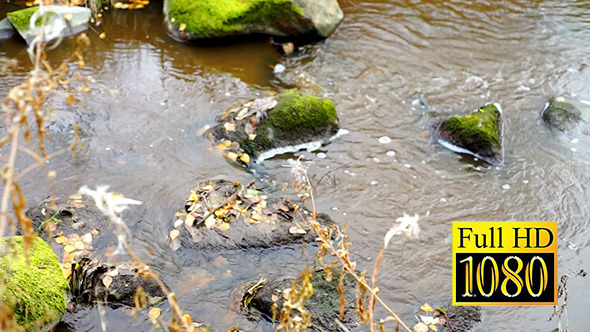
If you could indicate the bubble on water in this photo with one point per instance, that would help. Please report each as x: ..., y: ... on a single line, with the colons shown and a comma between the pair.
x: 506, y: 186
x: 373, y: 183
x: 384, y: 140
x: 407, y: 166
x: 375, y: 159
x: 279, y: 68
x: 573, y: 149
x: 574, y: 141
x: 321, y: 155
x: 390, y: 153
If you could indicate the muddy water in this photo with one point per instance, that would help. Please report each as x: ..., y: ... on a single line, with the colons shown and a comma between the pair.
x: 142, y: 141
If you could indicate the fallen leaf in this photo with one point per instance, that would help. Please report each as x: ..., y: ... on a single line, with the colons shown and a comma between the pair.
x: 113, y: 272
x: 210, y: 221
x: 229, y: 126
x: 433, y: 327
x: 102, y: 35
x: 251, y: 137
x: 154, y: 313
x: 174, y: 234
x: 224, y: 226
x: 427, y: 319
x: 69, y: 248
x: 249, y: 128
x: 61, y: 239
x: 426, y: 307
x: 178, y: 223
x: 182, y: 27
x: 68, y: 16
x: 420, y: 327
x: 87, y: 238
x: 107, y: 280
x: 232, y: 156
x: 207, y: 187
x: 274, y: 298
x: 50, y: 226
x: 94, y: 231
x: 245, y: 158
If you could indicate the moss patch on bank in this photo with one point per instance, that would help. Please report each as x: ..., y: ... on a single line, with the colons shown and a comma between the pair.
x: 35, y: 291
x: 204, y: 19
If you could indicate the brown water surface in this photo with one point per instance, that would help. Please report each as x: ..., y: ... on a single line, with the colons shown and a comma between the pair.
x: 142, y: 141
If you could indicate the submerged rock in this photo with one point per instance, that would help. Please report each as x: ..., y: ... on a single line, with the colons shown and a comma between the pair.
x: 462, y: 318
x: 6, y: 29
x: 324, y: 304
x: 189, y: 20
x: 226, y: 215
x: 564, y: 113
x: 35, y: 292
x: 60, y: 21
x: 478, y: 133
x: 288, y: 119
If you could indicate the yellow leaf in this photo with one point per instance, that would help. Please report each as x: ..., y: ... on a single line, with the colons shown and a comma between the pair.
x: 94, y: 231
x: 210, y: 221
x: 87, y: 238
x: 178, y: 223
x: 118, y: 5
x: 207, y: 187
x: 107, y: 280
x: 174, y: 234
x: 426, y: 307
x: 182, y: 27
x: 69, y: 248
x: 433, y: 327
x: 68, y: 16
x: 232, y: 156
x: 224, y: 226
x: 190, y: 220
x: 61, y: 239
x: 245, y: 158
x: 102, y: 35
x: 251, y: 137
x: 154, y: 314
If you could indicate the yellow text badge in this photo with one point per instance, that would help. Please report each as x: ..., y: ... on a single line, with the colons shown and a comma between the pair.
x: 504, y: 263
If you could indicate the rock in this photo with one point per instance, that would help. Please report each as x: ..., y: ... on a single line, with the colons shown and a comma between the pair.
x: 324, y: 304
x: 61, y: 21
x: 287, y: 120
x: 564, y: 113
x: 6, y: 29
x: 225, y: 215
x: 190, y: 20
x: 478, y: 134
x: 462, y: 318
x: 93, y: 281
x: 36, y: 292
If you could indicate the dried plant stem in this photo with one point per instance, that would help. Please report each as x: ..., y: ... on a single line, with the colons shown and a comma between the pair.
x: 348, y: 265
x: 8, y: 178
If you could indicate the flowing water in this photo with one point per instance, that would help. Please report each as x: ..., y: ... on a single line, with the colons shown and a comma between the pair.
x: 142, y: 140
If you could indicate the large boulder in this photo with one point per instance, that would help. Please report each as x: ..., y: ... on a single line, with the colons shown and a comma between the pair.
x: 223, y: 215
x: 564, y: 113
x: 288, y: 119
x: 189, y: 20
x: 60, y: 21
x: 35, y: 290
x: 478, y: 134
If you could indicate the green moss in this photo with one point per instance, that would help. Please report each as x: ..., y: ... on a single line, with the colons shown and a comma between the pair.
x: 562, y: 114
x: 210, y: 18
x: 35, y: 292
x: 20, y: 19
x: 296, y: 119
x: 479, y: 128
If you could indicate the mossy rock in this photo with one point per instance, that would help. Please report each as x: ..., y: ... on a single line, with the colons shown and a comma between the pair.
x: 478, y: 133
x: 190, y: 20
x: 324, y: 304
x: 562, y: 114
x: 77, y: 21
x: 288, y: 119
x: 35, y: 292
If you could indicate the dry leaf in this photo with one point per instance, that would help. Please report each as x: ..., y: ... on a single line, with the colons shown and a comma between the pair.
x: 420, y: 327
x: 232, y: 156
x: 190, y: 220
x: 245, y: 158
x: 87, y: 238
x: 178, y: 223
x: 69, y: 248
x: 182, y: 27
x: 249, y: 128
x: 94, y: 231
x: 113, y: 272
x: 229, y: 126
x: 274, y: 298
x: 154, y: 313
x: 61, y: 239
x: 174, y: 234
x: 224, y: 226
x: 102, y: 35
x: 426, y: 307
x: 251, y: 137
x: 427, y: 319
x: 209, y: 187
x: 210, y: 221
x: 433, y: 327
x: 107, y: 280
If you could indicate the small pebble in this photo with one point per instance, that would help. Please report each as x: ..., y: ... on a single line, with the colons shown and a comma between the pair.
x: 384, y: 140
